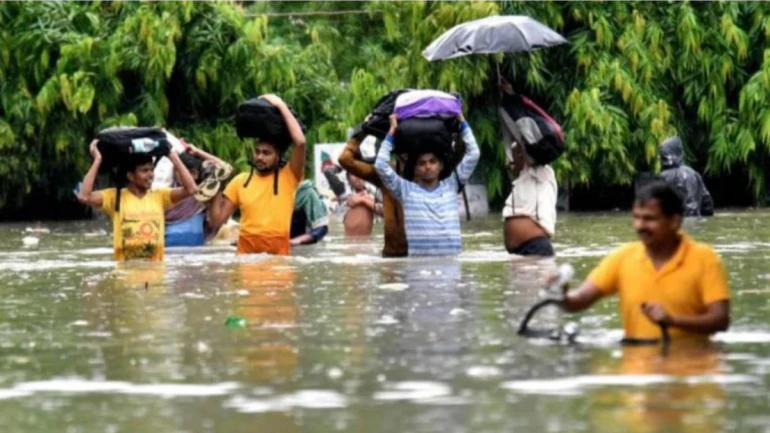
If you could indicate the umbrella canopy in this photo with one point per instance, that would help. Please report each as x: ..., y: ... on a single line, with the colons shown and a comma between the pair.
x: 493, y: 34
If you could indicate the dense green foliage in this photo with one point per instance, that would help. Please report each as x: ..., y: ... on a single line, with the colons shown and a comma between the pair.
x: 632, y: 74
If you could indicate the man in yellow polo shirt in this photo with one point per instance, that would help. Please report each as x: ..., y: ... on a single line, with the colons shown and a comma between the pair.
x: 664, y: 279
x: 265, y: 199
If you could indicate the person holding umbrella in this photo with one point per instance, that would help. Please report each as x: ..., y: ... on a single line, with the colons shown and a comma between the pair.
x: 530, y: 210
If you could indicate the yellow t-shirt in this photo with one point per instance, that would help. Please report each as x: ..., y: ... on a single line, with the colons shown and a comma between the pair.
x: 263, y: 213
x: 138, y: 228
x: 689, y: 281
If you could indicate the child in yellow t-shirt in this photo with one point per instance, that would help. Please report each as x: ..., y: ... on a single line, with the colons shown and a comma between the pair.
x: 138, y: 219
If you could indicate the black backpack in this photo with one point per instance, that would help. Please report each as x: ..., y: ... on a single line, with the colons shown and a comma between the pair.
x: 540, y: 134
x: 258, y: 118
x: 413, y: 136
x: 416, y: 136
x: 378, y: 123
x: 118, y: 143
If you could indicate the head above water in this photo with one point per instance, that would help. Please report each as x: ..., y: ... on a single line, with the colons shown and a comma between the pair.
x: 139, y: 170
x: 671, y: 152
x: 520, y: 158
x: 355, y: 182
x: 657, y: 213
x: 427, y: 168
x: 193, y: 164
x: 266, y: 157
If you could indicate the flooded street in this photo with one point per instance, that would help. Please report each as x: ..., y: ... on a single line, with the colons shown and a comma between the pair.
x: 338, y: 339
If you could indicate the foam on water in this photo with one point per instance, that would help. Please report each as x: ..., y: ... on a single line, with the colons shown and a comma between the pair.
x: 483, y: 371
x: 416, y: 390
x: 575, y: 251
x: 44, y: 265
x: 478, y: 235
x: 741, y: 247
x: 306, y: 399
x: 357, y: 259
x: 575, y: 385
x: 81, y: 386
x: 396, y: 287
x: 95, y: 251
x: 743, y: 337
x: 486, y: 256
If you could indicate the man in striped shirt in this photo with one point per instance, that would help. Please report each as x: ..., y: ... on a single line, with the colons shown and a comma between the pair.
x: 431, y: 219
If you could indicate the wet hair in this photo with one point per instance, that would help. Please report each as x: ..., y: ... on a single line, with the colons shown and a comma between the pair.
x: 192, y: 163
x: 275, y: 147
x: 671, y: 202
x: 441, y: 157
x: 130, y: 164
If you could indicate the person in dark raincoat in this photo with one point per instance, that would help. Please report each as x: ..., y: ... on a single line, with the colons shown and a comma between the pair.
x: 697, y: 200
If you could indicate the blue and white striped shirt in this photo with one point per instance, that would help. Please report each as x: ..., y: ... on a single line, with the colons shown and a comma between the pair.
x: 431, y: 219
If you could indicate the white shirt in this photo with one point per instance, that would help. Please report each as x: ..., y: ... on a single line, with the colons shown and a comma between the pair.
x: 534, y: 195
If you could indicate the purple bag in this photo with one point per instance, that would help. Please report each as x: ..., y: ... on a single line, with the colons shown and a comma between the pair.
x: 428, y: 104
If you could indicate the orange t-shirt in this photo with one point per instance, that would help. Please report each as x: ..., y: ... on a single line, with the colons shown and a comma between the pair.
x: 265, y: 216
x: 685, y: 285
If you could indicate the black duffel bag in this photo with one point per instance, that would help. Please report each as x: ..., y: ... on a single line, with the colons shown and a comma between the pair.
x: 378, y: 123
x: 416, y: 136
x: 119, y: 144
x: 116, y: 144
x: 258, y: 118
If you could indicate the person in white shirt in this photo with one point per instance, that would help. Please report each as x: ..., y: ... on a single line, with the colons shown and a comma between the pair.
x: 529, y: 214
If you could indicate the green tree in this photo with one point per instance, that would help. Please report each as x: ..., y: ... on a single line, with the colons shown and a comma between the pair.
x: 632, y: 74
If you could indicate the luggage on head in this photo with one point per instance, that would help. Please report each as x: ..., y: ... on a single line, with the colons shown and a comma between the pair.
x: 428, y: 104
x: 118, y: 143
x: 427, y: 123
x: 258, y: 118
x: 522, y: 120
x: 427, y: 120
x: 415, y: 136
x: 378, y: 122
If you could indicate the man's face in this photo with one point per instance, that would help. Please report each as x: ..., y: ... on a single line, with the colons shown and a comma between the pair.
x: 265, y: 157
x: 651, y: 225
x: 355, y: 182
x: 142, y: 176
x: 428, y: 168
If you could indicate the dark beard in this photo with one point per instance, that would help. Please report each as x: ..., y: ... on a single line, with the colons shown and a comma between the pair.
x: 265, y: 170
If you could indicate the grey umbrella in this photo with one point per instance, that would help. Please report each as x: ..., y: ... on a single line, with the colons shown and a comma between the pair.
x: 493, y: 34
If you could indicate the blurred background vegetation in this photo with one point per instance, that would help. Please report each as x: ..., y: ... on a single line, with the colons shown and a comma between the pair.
x: 631, y: 75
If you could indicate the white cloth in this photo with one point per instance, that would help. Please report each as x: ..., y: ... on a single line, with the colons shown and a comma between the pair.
x: 534, y: 195
x: 164, y: 169
x: 413, y: 96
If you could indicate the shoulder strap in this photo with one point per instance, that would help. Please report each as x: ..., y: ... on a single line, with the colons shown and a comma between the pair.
x: 118, y: 186
x: 461, y: 189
